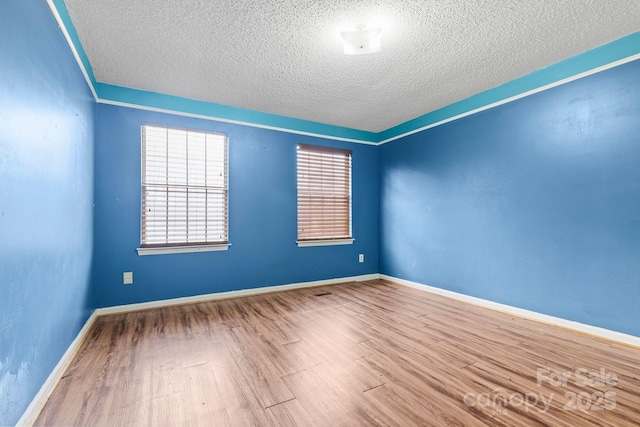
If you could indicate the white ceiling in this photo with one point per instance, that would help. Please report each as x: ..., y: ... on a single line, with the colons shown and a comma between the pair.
x: 285, y: 56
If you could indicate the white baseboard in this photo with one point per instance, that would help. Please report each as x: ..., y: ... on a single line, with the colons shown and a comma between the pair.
x: 33, y: 410
x: 539, y: 317
x: 231, y: 294
x: 38, y: 402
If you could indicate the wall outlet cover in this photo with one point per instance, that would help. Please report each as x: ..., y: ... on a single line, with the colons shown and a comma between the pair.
x: 127, y: 278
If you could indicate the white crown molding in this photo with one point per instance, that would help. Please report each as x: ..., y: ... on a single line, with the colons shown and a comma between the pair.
x: 231, y: 121
x: 90, y: 83
x: 72, y: 46
x: 516, y: 97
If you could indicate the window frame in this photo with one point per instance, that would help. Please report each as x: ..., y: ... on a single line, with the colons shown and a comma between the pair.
x: 183, y: 247
x: 324, y: 241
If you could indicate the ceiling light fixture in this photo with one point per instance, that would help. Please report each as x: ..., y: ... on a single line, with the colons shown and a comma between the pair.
x: 363, y: 40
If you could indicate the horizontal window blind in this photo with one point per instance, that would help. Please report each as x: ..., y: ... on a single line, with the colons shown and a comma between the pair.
x: 324, y: 193
x: 184, y: 187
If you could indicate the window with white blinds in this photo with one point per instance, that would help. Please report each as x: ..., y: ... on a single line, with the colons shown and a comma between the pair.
x: 184, y: 187
x: 324, y: 194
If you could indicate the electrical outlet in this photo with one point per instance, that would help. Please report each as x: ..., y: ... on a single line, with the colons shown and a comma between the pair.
x: 127, y: 278
x: 361, y: 258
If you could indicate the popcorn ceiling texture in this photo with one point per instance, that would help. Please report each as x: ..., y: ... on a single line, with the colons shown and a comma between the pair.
x: 285, y: 57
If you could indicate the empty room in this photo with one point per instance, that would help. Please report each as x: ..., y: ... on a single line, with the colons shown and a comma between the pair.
x: 319, y: 213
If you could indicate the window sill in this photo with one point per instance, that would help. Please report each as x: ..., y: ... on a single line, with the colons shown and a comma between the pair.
x: 181, y: 249
x: 334, y: 242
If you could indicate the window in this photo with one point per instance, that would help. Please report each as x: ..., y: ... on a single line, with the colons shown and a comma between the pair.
x: 184, y: 190
x: 324, y: 196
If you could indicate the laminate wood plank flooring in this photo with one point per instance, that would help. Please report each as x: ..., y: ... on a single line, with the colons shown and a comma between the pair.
x: 369, y: 353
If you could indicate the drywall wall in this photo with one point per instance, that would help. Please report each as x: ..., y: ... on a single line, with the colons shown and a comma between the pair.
x: 533, y: 204
x: 46, y: 195
x: 262, y: 215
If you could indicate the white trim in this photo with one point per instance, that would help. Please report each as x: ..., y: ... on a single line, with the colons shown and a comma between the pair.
x: 35, y: 407
x: 181, y: 249
x: 358, y: 141
x: 231, y: 294
x: 235, y: 122
x: 527, y: 314
x: 519, y: 96
x: 41, y: 398
x: 334, y: 242
x: 63, y: 28
x: 72, y: 46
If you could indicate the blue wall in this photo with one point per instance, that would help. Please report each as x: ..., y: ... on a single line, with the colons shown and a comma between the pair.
x: 535, y: 203
x: 46, y: 195
x: 262, y: 228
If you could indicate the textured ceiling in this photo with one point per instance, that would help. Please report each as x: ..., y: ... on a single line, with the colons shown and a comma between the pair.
x: 285, y: 56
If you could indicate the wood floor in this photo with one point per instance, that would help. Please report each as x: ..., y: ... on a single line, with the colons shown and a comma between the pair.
x: 355, y: 354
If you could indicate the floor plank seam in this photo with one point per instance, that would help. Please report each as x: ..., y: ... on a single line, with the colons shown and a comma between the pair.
x: 279, y: 403
x: 361, y: 355
x: 375, y: 387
